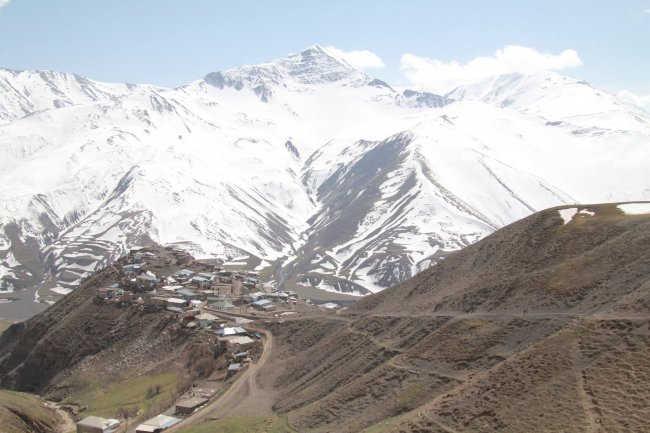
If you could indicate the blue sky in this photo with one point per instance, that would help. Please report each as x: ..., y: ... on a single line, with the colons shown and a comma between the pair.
x: 170, y: 43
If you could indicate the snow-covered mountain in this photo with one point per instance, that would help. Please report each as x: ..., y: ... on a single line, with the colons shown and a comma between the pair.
x: 303, y: 167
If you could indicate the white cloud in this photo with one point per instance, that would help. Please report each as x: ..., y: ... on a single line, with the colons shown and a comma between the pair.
x: 359, y: 59
x: 647, y: 11
x: 437, y: 75
x: 4, y: 3
x: 641, y: 101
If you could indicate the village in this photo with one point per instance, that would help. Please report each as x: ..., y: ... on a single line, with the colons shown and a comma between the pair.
x: 205, y: 298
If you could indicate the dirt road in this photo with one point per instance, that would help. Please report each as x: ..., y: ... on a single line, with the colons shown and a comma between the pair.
x: 67, y: 424
x: 242, y: 398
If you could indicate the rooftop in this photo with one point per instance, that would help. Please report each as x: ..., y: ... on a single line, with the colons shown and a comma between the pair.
x: 160, y: 422
x: 191, y: 402
x: 95, y: 421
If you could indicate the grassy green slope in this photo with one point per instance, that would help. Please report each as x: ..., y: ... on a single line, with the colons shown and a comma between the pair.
x: 25, y: 413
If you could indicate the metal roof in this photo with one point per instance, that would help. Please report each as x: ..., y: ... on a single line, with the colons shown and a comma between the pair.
x: 186, y: 292
x: 159, y: 421
x: 184, y: 272
x: 261, y: 302
x: 95, y: 421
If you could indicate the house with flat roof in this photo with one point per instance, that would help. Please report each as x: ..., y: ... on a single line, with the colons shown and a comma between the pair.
x: 206, y: 320
x: 240, y: 343
x: 158, y: 301
x: 263, y: 305
x: 223, y: 305
x: 183, y: 275
x: 146, y: 281
x: 131, y: 270
x: 186, y: 407
x: 176, y: 302
x: 188, y: 295
x: 235, y: 330
x: 201, y: 283
x: 95, y: 424
x: 157, y: 424
x: 253, y: 297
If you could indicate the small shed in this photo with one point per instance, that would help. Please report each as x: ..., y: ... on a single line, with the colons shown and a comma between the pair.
x: 95, y: 424
x: 188, y: 406
x: 241, y: 355
x: 233, y: 368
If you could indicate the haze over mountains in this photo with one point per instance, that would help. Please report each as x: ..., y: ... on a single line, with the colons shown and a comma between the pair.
x: 302, y: 165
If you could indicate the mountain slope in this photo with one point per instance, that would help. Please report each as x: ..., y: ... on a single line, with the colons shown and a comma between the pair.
x: 313, y: 172
x: 412, y: 359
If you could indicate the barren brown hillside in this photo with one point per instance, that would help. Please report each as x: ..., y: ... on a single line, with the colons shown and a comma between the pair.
x: 452, y: 351
x: 593, y: 263
x: 80, y: 339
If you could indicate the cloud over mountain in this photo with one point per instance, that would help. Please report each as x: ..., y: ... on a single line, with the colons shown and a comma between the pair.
x: 439, y: 76
x: 360, y: 59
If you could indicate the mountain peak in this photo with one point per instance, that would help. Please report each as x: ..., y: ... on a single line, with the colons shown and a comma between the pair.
x: 313, y: 65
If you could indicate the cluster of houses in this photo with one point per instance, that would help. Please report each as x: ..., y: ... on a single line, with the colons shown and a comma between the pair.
x: 193, y: 296
x: 186, y: 291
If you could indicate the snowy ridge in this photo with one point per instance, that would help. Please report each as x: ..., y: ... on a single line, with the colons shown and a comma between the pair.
x: 304, y: 164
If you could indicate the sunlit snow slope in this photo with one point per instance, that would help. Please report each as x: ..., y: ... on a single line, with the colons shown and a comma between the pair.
x: 305, y: 164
